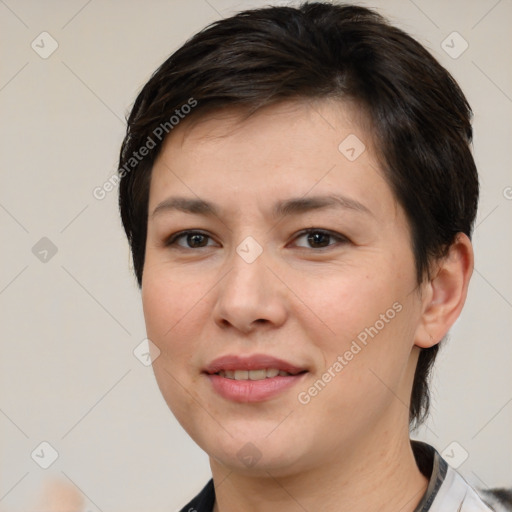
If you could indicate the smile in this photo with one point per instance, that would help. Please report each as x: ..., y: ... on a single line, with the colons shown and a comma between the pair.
x: 254, y: 378
x: 268, y: 373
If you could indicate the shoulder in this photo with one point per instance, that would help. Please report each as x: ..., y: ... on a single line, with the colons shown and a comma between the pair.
x: 449, y: 491
x: 500, y: 500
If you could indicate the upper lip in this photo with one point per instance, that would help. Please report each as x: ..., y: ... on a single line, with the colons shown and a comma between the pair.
x: 253, y: 362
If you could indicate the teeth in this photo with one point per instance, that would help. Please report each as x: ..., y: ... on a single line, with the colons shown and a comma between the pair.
x: 253, y: 374
x: 257, y: 374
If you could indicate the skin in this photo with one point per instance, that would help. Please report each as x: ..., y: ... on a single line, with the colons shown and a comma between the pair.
x: 348, y: 448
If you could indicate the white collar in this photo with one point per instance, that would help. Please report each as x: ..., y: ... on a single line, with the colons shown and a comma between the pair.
x: 447, y: 490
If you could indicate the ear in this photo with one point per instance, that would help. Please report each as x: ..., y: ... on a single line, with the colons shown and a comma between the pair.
x: 444, y: 295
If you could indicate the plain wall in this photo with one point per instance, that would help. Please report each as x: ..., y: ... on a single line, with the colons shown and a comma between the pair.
x: 70, y: 324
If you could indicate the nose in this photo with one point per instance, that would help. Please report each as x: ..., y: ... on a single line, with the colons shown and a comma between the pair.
x: 249, y: 296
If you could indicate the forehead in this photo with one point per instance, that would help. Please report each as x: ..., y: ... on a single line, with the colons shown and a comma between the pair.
x: 288, y: 149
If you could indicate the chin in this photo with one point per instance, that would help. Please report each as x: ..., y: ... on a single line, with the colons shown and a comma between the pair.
x: 255, y: 455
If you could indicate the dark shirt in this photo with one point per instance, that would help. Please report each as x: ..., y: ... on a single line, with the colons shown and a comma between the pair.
x: 447, y: 491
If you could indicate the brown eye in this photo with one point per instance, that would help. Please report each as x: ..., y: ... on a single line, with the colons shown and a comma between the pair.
x: 196, y: 240
x: 192, y: 240
x: 319, y: 239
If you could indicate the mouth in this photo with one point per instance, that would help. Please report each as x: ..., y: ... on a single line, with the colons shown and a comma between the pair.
x: 253, y: 378
x: 251, y: 364
x: 265, y: 373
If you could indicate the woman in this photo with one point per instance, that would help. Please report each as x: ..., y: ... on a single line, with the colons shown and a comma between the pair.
x: 299, y: 193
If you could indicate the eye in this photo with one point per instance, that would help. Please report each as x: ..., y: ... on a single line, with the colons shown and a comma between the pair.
x: 320, y: 238
x: 191, y: 239
x: 314, y: 238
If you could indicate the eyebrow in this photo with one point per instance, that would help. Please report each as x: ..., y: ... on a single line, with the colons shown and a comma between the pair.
x: 293, y: 206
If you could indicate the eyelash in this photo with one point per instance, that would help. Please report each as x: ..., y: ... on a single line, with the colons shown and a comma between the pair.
x: 172, y: 240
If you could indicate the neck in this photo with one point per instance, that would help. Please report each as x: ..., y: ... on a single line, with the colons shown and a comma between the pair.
x: 375, y: 474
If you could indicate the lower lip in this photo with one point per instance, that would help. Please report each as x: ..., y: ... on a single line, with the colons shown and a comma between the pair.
x: 252, y: 390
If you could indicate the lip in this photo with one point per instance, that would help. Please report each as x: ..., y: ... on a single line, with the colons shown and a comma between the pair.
x: 253, y: 362
x: 250, y: 391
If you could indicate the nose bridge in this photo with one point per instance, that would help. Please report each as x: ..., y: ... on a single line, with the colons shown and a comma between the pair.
x: 249, y: 293
x: 246, y: 282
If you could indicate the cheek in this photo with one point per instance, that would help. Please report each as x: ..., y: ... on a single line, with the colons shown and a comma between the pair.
x: 347, y: 301
x: 174, y: 314
x: 366, y: 318
x: 167, y: 300
x: 171, y: 311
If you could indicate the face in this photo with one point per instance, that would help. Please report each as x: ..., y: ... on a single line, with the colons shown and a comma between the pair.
x: 275, y: 245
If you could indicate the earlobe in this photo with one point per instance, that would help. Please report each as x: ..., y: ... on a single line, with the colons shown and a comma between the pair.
x: 445, y: 294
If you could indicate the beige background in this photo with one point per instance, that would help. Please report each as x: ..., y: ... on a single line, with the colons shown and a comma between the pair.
x: 70, y: 324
